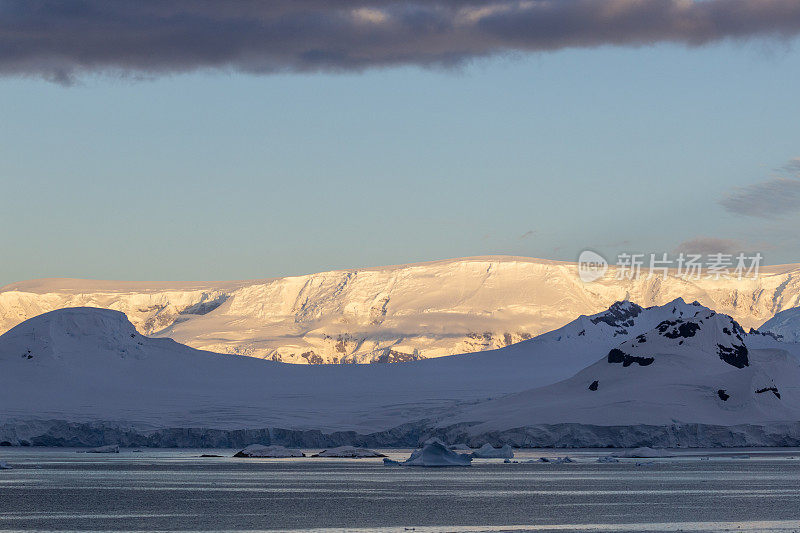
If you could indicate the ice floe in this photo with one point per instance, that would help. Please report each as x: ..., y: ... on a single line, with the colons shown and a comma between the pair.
x: 259, y: 450
x: 644, y: 452
x: 348, y: 451
x: 111, y: 448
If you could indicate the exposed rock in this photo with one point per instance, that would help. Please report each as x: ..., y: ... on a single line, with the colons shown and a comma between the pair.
x: 393, y: 356
x: 773, y: 390
x: 312, y: 358
x: 618, y: 356
x: 619, y: 315
x: 735, y: 355
x: 678, y: 329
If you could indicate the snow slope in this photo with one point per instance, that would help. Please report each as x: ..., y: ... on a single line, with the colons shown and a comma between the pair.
x: 90, y: 364
x: 89, y: 370
x: 389, y: 314
x: 786, y: 324
x: 696, y: 369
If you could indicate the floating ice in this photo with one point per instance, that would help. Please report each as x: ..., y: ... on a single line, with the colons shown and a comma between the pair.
x: 348, y: 451
x: 111, y: 448
x: 437, y: 454
x: 645, y: 452
x: 487, y: 451
x: 259, y: 450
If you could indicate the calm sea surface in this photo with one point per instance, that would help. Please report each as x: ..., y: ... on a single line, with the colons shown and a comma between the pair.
x: 176, y: 490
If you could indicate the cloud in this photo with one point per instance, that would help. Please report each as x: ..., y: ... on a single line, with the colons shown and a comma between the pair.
x: 792, y: 167
x: 62, y: 40
x: 710, y: 245
x: 529, y: 234
x: 769, y: 199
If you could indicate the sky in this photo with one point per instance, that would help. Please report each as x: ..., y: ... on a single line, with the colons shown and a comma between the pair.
x: 206, y: 166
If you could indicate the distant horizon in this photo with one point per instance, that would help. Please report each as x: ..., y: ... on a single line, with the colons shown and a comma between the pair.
x: 504, y: 257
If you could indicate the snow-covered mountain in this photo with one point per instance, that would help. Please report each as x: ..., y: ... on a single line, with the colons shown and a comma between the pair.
x: 390, y: 314
x: 91, y: 364
x: 86, y: 376
x: 786, y: 324
x: 694, y: 370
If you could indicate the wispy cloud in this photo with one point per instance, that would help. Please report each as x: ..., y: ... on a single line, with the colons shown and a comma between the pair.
x: 63, y: 39
x: 773, y: 198
x: 792, y: 167
x: 529, y: 234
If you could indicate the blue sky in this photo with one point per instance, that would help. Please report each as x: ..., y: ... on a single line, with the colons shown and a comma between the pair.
x: 224, y: 175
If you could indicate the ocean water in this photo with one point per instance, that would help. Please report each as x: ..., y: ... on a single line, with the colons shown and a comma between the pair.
x: 176, y: 490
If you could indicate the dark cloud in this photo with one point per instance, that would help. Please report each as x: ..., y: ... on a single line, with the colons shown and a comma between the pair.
x: 61, y: 39
x: 769, y: 199
x: 710, y: 245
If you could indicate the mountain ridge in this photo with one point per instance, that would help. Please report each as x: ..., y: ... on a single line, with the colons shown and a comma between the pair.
x: 393, y: 313
x: 702, y: 369
x: 83, y: 376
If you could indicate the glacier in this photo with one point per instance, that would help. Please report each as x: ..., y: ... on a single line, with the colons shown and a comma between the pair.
x: 786, y: 324
x: 390, y: 314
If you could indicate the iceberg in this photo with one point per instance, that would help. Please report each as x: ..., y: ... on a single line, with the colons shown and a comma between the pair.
x: 5, y: 466
x: 460, y: 447
x: 111, y: 448
x: 644, y: 452
x: 487, y: 451
x: 259, y: 450
x: 348, y: 451
x: 437, y: 454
